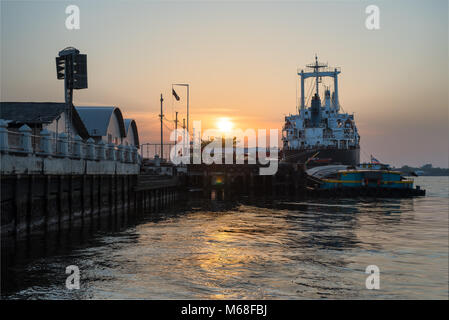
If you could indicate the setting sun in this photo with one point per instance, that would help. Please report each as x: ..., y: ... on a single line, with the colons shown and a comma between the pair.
x: 224, y: 125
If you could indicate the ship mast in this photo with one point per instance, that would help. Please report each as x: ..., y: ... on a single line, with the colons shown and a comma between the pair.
x: 316, y: 70
x: 317, y: 73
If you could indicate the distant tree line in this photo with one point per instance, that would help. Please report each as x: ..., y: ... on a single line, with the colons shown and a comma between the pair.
x: 425, y: 170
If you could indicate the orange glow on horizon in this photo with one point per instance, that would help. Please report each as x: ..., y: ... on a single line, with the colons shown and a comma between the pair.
x: 225, y: 125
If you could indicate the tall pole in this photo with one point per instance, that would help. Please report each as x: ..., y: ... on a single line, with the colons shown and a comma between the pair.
x: 183, y: 135
x: 68, y: 89
x: 188, y: 89
x: 68, y: 63
x: 68, y: 86
x: 336, y: 103
x: 302, y: 92
x: 176, y: 128
x: 316, y: 71
x: 162, y: 137
x: 188, y: 99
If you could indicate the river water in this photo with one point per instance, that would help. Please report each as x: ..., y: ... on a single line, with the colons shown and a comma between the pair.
x: 220, y: 250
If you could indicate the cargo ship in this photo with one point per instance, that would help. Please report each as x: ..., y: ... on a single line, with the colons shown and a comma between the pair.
x: 321, y: 133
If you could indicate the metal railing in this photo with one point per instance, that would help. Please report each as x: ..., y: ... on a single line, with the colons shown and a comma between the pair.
x: 45, y: 144
x: 330, y: 147
x: 308, y: 69
x: 150, y: 150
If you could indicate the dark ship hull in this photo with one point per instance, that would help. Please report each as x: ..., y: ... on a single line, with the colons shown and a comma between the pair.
x: 350, y: 157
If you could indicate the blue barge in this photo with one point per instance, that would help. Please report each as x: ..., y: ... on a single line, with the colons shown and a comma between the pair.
x: 378, y: 179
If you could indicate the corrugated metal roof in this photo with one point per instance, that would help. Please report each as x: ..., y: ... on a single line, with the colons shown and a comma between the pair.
x: 132, y: 123
x: 127, y: 124
x: 96, y: 119
x: 39, y: 113
x: 31, y: 112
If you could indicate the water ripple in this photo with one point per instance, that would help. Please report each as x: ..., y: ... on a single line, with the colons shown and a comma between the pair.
x: 283, y: 250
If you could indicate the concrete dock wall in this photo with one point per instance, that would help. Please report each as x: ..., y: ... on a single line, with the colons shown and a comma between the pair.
x: 33, y: 203
x: 227, y: 182
x: 48, y: 183
x: 32, y: 164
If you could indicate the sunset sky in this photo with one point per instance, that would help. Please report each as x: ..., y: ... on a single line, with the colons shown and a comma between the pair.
x: 240, y: 59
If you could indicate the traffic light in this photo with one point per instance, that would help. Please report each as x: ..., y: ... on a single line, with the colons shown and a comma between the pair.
x: 80, y: 71
x: 60, y: 67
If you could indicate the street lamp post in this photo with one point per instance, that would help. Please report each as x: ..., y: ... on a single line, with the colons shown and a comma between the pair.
x: 162, y: 129
x: 188, y: 89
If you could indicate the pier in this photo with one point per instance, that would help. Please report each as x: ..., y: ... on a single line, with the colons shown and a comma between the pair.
x: 47, y: 183
x: 231, y: 181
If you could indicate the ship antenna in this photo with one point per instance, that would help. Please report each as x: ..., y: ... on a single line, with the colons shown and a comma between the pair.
x: 316, y: 71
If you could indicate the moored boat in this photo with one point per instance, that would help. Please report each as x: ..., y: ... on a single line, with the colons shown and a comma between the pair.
x: 321, y: 133
x: 366, y: 176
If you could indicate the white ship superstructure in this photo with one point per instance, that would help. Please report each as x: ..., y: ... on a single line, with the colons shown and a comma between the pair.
x: 322, y: 125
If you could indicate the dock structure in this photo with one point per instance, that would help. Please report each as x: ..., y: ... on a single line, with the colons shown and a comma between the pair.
x: 33, y: 203
x: 153, y: 191
x: 48, y: 183
x: 231, y: 181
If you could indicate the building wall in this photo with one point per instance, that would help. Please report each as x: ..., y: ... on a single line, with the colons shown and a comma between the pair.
x: 130, y: 138
x: 113, y: 132
x: 58, y: 126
